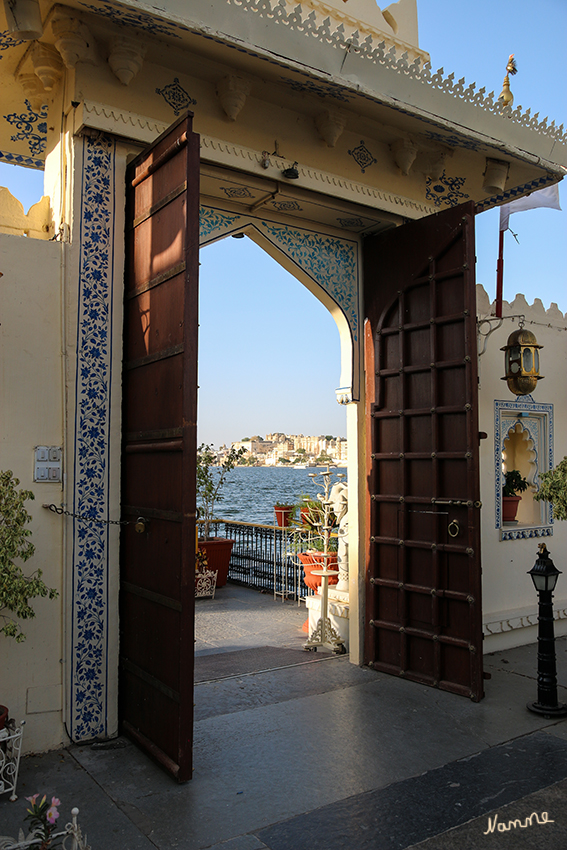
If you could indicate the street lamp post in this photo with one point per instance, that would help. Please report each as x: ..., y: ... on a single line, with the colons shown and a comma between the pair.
x: 544, y: 575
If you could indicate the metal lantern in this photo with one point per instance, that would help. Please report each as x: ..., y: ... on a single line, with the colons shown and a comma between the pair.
x: 544, y: 573
x: 522, y: 362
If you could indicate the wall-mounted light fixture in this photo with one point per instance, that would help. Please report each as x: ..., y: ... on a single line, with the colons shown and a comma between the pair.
x: 291, y: 173
x: 24, y: 19
x: 521, y: 360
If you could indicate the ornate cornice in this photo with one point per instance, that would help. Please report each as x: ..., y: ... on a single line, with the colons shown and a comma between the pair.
x: 227, y: 153
x: 119, y: 122
x: 379, y: 53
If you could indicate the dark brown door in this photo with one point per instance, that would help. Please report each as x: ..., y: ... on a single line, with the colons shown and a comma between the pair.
x: 159, y: 448
x: 423, y: 611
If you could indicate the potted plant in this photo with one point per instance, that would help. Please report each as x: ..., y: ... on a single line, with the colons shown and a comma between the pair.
x: 284, y: 512
x: 16, y: 589
x: 211, y: 477
x: 514, y: 483
x: 553, y: 488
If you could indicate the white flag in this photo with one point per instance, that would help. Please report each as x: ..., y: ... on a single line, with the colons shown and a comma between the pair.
x: 548, y: 197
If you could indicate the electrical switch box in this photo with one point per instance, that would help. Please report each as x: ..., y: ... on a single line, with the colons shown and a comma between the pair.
x: 47, y: 463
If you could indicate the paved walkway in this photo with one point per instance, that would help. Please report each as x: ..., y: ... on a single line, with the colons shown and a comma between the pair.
x: 323, y: 755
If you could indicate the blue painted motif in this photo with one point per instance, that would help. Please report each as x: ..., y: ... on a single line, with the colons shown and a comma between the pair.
x: 31, y: 130
x: 7, y: 41
x: 537, y: 420
x: 285, y: 206
x: 236, y: 192
x: 139, y: 20
x: 362, y: 157
x: 453, y: 140
x: 92, y: 436
x: 319, y: 89
x: 350, y: 222
x: 445, y: 190
x: 517, y: 191
x: 329, y: 261
x: 213, y: 223
x: 175, y: 96
x: 18, y: 159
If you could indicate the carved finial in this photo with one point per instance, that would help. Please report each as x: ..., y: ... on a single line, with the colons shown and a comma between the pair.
x: 506, y: 97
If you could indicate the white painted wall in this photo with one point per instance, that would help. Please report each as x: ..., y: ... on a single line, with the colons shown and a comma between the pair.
x: 31, y: 415
x: 509, y: 598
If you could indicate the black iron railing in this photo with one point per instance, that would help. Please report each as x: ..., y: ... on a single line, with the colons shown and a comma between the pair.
x: 264, y: 556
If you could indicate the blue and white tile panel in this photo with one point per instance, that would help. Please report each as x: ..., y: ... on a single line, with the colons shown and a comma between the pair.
x: 89, y: 662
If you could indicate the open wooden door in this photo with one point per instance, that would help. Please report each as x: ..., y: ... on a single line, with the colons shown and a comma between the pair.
x: 159, y: 448
x: 423, y: 611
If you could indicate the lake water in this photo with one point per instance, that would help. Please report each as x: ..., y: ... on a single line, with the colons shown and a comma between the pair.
x: 250, y: 492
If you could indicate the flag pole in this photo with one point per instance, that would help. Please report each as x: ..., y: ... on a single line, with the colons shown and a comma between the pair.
x: 500, y: 275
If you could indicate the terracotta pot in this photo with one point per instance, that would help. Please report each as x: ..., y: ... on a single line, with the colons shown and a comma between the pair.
x: 283, y: 515
x: 218, y: 551
x: 3, y: 716
x: 510, y: 507
x: 316, y: 561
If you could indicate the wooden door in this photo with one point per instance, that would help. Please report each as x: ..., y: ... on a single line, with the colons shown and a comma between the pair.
x: 423, y: 611
x: 159, y: 448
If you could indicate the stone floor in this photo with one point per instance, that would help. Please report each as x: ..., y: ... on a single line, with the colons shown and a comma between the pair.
x: 323, y: 754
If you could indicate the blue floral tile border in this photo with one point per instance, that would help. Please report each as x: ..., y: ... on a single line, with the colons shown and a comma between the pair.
x: 90, y: 556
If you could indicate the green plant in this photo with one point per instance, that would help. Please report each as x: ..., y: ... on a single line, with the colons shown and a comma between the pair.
x: 282, y: 505
x: 553, y: 488
x: 514, y: 483
x: 16, y: 589
x: 211, y: 477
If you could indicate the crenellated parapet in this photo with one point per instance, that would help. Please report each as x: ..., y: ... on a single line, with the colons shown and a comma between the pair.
x: 13, y: 220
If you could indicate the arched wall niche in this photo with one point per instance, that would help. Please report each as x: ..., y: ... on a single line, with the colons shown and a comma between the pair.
x: 520, y: 452
x: 523, y: 440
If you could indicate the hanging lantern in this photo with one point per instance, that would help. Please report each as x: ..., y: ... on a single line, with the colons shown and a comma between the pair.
x: 522, y: 361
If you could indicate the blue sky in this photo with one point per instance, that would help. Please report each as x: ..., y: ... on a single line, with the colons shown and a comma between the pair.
x: 269, y: 351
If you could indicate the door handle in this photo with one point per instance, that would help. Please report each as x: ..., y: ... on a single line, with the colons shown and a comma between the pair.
x: 453, y: 528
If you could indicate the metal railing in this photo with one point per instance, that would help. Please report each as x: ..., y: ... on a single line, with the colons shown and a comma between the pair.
x: 264, y: 556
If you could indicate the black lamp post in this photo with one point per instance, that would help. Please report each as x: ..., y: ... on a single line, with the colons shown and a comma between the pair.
x: 544, y: 575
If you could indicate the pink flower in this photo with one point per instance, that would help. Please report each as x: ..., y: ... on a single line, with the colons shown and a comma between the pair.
x: 52, y: 814
x: 55, y: 801
x: 32, y: 799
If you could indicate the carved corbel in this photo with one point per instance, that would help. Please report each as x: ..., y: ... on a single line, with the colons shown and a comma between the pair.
x: 404, y: 151
x: 33, y: 90
x: 330, y: 123
x: 232, y: 92
x: 126, y: 58
x: 73, y: 40
x: 434, y: 163
x: 47, y: 64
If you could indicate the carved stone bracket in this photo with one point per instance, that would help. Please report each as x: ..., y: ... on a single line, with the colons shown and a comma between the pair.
x: 73, y: 40
x: 33, y: 90
x: 126, y: 58
x: 404, y: 151
x: 232, y: 92
x: 330, y: 124
x: 47, y: 64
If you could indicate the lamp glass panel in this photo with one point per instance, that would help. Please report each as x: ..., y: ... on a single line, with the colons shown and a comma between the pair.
x: 528, y: 360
